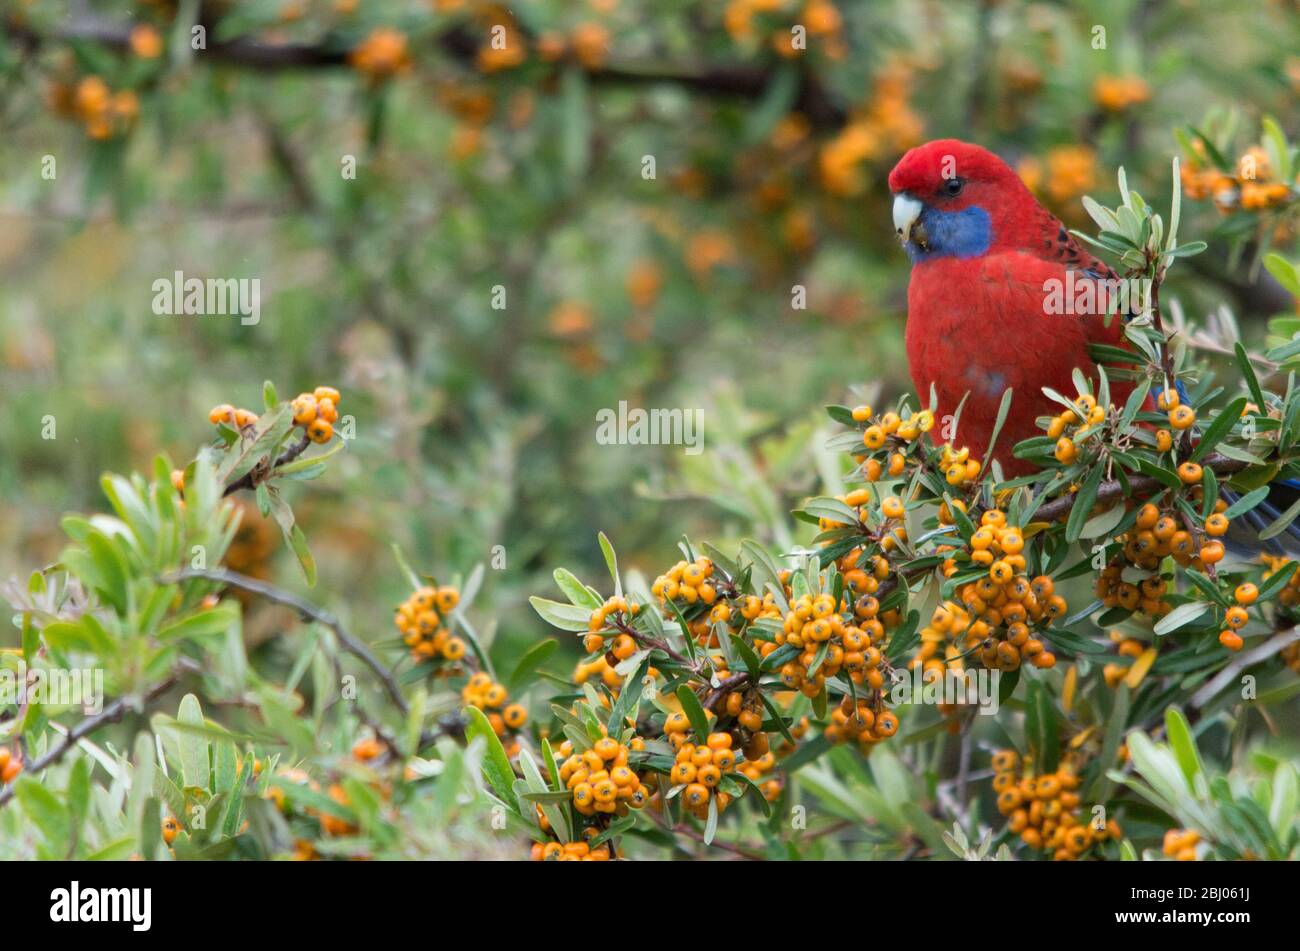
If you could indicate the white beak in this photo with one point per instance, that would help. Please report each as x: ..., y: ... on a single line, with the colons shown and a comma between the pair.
x: 906, y: 210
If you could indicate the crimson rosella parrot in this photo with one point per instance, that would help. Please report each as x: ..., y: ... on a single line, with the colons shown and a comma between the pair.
x: 982, y: 252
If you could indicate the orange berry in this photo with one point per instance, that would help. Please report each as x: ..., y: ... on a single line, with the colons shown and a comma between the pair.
x: 304, y: 409
x: 320, y: 431
x: 1182, y: 417
x: 1231, y: 640
x: 222, y: 413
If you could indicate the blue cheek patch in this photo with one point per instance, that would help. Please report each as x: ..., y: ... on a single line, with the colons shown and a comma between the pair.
x: 953, y: 234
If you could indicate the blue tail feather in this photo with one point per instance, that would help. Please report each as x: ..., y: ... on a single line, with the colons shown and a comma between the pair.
x: 1243, y: 537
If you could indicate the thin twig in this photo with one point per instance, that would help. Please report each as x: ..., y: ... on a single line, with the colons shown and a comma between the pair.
x: 110, y: 714
x: 305, y: 608
x: 1243, y: 660
x: 254, y: 476
x: 740, y: 80
x: 1110, y: 491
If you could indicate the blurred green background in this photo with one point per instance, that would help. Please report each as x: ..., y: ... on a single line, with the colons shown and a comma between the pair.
x: 527, y: 168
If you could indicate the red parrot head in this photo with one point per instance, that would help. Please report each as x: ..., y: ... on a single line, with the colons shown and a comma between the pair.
x: 954, y: 199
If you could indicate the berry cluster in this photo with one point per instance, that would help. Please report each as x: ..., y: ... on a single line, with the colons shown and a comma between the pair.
x: 755, y: 768
x: 816, y: 626
x: 1236, y: 617
x: 885, y: 125
x: 687, y: 584
x: 1157, y: 535
x: 997, y: 612
x: 1254, y: 186
x: 601, y: 779
x: 861, y: 721
x: 600, y: 667
x: 225, y: 414
x: 699, y: 769
x: 1180, y: 844
x: 490, y: 697
x: 1085, y: 419
x: 420, y: 621
x: 891, y: 429
x: 103, y: 113
x: 1289, y: 596
x: 583, y: 848
x: 749, y: 22
x: 616, y: 613
x: 580, y: 851
x: 1044, y: 809
x: 1118, y: 93
x: 317, y: 412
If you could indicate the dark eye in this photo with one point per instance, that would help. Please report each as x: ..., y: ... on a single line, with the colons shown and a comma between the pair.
x: 952, y: 187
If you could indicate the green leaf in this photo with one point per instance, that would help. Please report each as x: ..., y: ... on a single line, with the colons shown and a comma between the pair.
x: 496, y: 764
x: 192, y: 745
x: 832, y: 509
x: 1275, y: 582
x: 566, y: 617
x: 1221, y: 426
x: 46, y: 812
x: 305, y: 467
x: 577, y: 592
x: 412, y: 579
x: 111, y: 568
x: 1003, y: 409
x: 1180, y: 616
x: 77, y: 635
x: 555, y: 814
x: 208, y: 623
x: 611, y: 562
x: 575, y: 140
x: 234, y: 809
x: 1184, y: 744
x: 1248, y: 374
x: 1284, y: 272
x: 78, y: 796
x: 694, y: 712
x: 1075, y: 643
x: 1082, y: 508
x: 267, y: 434
x: 533, y: 658
x: 1116, y: 723
x: 293, y: 535
x: 1157, y: 765
x: 751, y: 660
x: 1247, y: 502
x: 1281, y: 523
